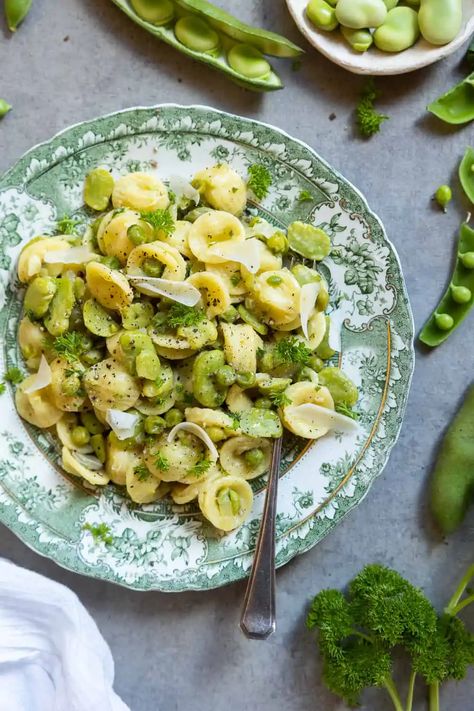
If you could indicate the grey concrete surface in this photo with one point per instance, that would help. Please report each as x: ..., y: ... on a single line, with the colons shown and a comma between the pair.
x: 76, y: 59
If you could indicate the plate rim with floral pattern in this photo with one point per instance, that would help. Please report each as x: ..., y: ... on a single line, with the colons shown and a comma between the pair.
x: 161, y: 546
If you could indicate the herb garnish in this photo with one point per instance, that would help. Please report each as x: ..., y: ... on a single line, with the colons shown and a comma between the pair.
x: 200, y: 467
x: 368, y: 119
x: 67, y: 225
x: 142, y: 472
x: 161, y: 462
x: 280, y: 399
x: 259, y: 180
x: 305, y: 196
x: 14, y: 375
x: 292, y: 350
x: 161, y: 220
x: 100, y: 532
x: 344, y: 409
x: 181, y: 315
x: 70, y: 345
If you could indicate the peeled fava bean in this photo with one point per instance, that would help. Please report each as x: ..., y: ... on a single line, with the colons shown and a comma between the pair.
x: 440, y: 20
x: 196, y: 34
x: 359, y: 40
x: 399, y: 31
x: 98, y: 188
x: 248, y: 61
x: 322, y: 15
x: 360, y: 14
x: 158, y: 12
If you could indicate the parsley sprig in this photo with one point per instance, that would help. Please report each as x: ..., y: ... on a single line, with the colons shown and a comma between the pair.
x: 292, y: 350
x: 67, y: 225
x: 305, y: 196
x: 259, y: 180
x: 100, y: 532
x: 344, y: 409
x: 161, y: 220
x: 13, y: 375
x: 280, y: 399
x: 367, y: 118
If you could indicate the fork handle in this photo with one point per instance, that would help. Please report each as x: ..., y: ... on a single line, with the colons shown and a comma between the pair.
x: 258, y: 620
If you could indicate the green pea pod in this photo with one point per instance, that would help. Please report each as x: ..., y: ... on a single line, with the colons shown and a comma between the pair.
x: 466, y: 173
x: 4, y: 108
x: 452, y: 485
x: 15, y: 12
x: 458, y: 298
x: 267, y: 42
x: 457, y: 105
x: 440, y: 20
x: 259, y: 40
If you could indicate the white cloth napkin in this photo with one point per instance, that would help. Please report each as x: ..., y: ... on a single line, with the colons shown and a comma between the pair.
x: 52, y: 656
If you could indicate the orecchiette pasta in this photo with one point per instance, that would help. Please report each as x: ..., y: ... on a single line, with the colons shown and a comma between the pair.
x: 140, y: 191
x: 171, y: 345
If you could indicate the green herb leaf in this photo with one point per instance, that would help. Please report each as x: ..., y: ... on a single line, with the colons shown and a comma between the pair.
x: 14, y: 375
x: 161, y: 462
x: 70, y: 345
x: 200, y: 467
x: 344, y: 409
x: 161, y: 220
x: 292, y: 350
x: 67, y: 225
x: 181, y: 315
x: 3, y: 387
x: 280, y: 399
x: 100, y: 532
x: 259, y: 180
x: 142, y: 472
x: 368, y: 119
x: 305, y: 196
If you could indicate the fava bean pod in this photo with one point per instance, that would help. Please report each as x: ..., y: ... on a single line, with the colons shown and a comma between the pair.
x: 4, y: 107
x: 466, y: 173
x: 211, y: 35
x: 457, y: 105
x: 15, y: 12
x: 459, y: 296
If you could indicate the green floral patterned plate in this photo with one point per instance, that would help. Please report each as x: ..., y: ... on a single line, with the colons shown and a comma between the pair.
x: 161, y: 546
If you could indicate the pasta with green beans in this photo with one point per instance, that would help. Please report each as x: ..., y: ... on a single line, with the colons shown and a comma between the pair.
x: 172, y: 340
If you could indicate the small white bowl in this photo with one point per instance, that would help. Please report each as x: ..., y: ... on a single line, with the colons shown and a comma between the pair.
x: 373, y: 62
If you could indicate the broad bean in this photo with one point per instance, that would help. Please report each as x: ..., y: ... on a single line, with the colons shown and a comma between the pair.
x: 342, y: 389
x: 359, y: 40
x: 308, y: 241
x: 4, y: 108
x: 399, y: 31
x: 360, y: 14
x: 158, y: 12
x: 97, y: 320
x: 140, y: 355
x: 205, y: 388
x: 440, y: 20
x: 260, y: 423
x: 62, y: 304
x: 98, y: 188
x: 196, y: 34
x: 39, y: 295
x: 322, y: 15
x: 252, y: 320
x: 248, y: 61
x: 98, y: 445
x: 137, y: 315
x: 91, y: 423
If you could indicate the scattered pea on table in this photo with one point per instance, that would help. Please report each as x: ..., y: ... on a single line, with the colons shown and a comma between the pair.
x: 443, y: 196
x: 458, y: 298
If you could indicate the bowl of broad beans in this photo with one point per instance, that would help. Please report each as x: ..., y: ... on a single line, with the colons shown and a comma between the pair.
x: 384, y: 36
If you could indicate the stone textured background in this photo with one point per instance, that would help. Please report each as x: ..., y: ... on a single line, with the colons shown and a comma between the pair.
x: 76, y: 59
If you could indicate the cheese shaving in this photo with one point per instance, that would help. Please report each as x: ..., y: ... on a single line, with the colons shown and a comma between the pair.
x: 182, y: 188
x: 42, y: 378
x: 246, y: 253
x: 197, y: 431
x: 322, y: 417
x: 308, y: 295
x: 73, y: 255
x: 180, y: 291
x: 122, y: 423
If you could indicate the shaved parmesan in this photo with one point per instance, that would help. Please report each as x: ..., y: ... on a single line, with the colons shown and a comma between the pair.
x: 73, y: 255
x: 88, y: 461
x: 246, y: 253
x: 42, y: 378
x: 122, y: 423
x: 182, y: 188
x: 179, y: 291
x: 308, y: 295
x: 317, y: 417
x: 197, y: 431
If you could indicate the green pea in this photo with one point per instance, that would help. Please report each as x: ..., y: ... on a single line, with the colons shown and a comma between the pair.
x: 359, y: 14
x: 440, y: 20
x: 263, y: 403
x: 80, y: 436
x: 137, y: 315
x: 260, y: 423
x: 98, y: 320
x: 443, y: 196
x: 15, y: 12
x: 157, y: 12
x: 466, y: 173
x: 248, y: 61
x: 62, y: 304
x: 98, y: 188
x: 230, y: 316
x: 399, y: 31
x: 444, y: 321
x: 254, y: 457
x: 278, y: 243
x: 93, y: 356
x: 39, y: 295
x: 252, y: 320
x: 322, y: 15
x: 193, y: 215
x: 4, y: 108
x: 452, y: 484
x: 141, y: 233
x: 461, y: 294
x: 308, y: 241
x: 245, y: 379
x: 91, y: 423
x: 274, y: 280
x: 468, y: 260
x: 226, y: 376
x: 152, y: 267
x: 98, y: 445
x: 359, y: 40
x: 196, y: 34
x: 173, y: 417
x: 154, y: 424
x: 341, y: 387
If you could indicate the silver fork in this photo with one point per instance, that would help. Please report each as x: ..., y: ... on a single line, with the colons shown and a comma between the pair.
x: 258, y: 620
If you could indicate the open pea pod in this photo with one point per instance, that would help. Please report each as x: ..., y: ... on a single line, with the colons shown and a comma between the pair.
x: 267, y: 42
x: 458, y: 299
x: 466, y: 173
x: 457, y: 105
x: 225, y: 56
